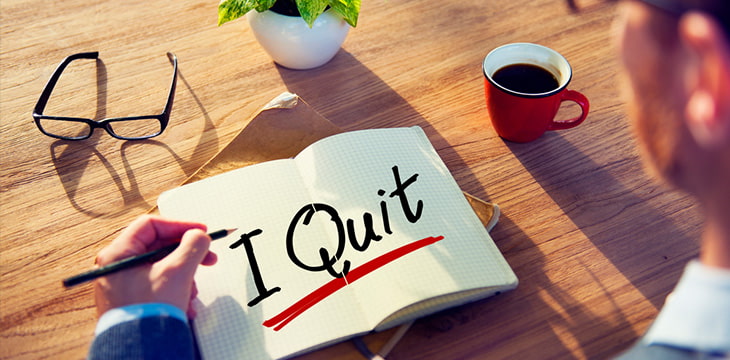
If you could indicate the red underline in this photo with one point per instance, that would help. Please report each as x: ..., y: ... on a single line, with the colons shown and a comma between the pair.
x: 284, y: 317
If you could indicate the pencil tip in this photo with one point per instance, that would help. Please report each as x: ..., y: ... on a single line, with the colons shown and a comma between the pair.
x: 231, y: 230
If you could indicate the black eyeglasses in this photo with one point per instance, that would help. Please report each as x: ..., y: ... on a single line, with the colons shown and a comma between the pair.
x: 124, y: 128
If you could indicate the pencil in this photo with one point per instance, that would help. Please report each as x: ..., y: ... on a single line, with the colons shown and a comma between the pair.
x: 133, y: 261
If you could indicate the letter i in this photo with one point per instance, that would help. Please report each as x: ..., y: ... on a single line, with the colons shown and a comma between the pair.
x: 384, y: 213
x: 264, y: 292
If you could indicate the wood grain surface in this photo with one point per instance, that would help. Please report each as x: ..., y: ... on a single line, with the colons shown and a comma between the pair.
x: 596, y: 243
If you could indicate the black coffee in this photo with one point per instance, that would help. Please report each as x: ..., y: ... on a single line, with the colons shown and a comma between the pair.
x: 526, y: 78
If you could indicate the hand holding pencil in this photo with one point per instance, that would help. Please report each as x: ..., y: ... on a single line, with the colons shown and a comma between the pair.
x: 169, y: 280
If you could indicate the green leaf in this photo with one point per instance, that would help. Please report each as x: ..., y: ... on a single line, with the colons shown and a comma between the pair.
x: 233, y: 9
x: 349, y: 9
x: 264, y: 5
x: 311, y: 9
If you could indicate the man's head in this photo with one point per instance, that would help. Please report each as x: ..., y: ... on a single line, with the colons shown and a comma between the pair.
x: 677, y: 70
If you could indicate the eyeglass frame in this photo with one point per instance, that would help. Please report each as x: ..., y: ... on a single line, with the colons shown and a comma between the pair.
x: 105, y: 124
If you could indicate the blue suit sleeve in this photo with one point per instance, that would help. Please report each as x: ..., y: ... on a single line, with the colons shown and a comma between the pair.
x: 149, y: 331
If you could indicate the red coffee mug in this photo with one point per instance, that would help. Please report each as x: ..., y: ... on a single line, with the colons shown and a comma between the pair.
x: 525, y: 116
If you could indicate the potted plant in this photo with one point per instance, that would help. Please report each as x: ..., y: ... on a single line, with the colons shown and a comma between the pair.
x: 298, y: 34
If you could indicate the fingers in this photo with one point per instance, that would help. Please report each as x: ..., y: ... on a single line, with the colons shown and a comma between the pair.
x: 147, y: 229
x: 210, y: 259
x: 145, y: 233
x: 178, y: 268
x: 169, y: 280
x: 193, y: 250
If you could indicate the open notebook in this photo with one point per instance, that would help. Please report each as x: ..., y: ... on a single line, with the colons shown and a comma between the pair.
x: 361, y: 231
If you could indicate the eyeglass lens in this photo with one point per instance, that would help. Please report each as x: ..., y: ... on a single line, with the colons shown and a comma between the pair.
x: 65, y: 128
x: 73, y: 128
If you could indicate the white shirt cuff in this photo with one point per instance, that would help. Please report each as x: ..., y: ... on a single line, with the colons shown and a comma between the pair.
x: 696, y: 314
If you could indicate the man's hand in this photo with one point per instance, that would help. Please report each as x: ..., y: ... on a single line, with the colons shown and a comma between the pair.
x: 169, y: 280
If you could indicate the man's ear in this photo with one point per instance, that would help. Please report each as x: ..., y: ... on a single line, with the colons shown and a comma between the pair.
x: 707, y: 112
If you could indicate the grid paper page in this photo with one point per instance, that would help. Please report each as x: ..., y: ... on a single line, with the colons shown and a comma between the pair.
x: 466, y: 259
x: 380, y: 225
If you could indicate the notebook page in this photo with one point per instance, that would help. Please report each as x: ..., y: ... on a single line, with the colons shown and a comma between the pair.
x: 399, y: 171
x: 258, y: 197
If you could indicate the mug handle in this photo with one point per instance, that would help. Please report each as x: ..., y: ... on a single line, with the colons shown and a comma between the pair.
x: 578, y: 98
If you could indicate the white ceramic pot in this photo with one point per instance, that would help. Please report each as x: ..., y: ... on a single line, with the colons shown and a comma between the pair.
x: 293, y: 44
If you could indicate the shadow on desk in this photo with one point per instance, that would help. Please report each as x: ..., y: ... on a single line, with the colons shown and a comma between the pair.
x: 73, y: 160
x: 617, y: 219
x: 620, y: 211
x: 331, y: 90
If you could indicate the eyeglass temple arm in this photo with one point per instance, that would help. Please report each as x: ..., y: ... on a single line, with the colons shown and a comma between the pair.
x: 46, y: 94
x: 171, y: 97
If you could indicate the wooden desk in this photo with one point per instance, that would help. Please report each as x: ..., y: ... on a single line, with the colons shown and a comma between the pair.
x: 596, y: 244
